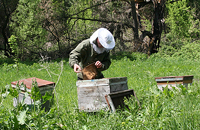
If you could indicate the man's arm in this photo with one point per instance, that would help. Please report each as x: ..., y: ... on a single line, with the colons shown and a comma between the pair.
x: 76, y: 56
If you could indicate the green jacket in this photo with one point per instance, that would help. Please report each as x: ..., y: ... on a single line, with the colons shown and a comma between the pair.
x: 84, y: 54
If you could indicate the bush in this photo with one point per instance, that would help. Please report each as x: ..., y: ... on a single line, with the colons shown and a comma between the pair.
x: 180, y: 48
x: 189, y: 51
x: 181, y: 20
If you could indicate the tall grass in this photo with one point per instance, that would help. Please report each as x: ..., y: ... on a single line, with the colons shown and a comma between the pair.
x: 159, y: 110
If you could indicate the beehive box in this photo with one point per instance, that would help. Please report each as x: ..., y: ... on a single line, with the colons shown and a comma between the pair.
x: 91, y: 93
x: 173, y: 81
x: 116, y: 100
x: 44, y: 86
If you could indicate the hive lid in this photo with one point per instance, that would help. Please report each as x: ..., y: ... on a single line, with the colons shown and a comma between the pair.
x: 174, y: 78
x: 115, y: 100
x: 89, y: 72
x: 28, y: 82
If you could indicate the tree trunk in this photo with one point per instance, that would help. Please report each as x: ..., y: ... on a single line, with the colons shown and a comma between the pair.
x: 157, y: 26
x: 135, y: 30
x: 5, y: 36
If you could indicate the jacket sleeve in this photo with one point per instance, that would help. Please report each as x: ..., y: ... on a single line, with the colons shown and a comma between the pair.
x: 77, y: 54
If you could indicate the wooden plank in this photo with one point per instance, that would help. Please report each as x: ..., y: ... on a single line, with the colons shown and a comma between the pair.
x: 116, y: 100
x: 93, y: 82
x: 118, y: 84
x: 91, y: 98
x: 176, y: 77
x: 173, y: 81
x: 42, y: 84
x: 169, y: 79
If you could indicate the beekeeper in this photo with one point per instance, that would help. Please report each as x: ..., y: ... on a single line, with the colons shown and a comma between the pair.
x: 96, y: 50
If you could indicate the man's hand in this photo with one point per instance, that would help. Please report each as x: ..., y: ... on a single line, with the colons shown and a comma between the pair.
x: 98, y: 64
x: 77, y: 68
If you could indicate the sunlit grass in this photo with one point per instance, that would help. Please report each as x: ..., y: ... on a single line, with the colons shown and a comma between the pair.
x: 159, y: 110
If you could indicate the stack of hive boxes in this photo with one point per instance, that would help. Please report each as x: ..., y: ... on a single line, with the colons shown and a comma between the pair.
x: 99, y: 94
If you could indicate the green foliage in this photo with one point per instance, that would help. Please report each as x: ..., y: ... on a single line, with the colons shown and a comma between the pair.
x: 181, y: 20
x: 189, y: 51
x: 184, y: 48
x: 22, y: 116
x: 35, y: 91
x: 14, y: 47
x: 168, y: 109
x: 147, y: 23
x: 50, y: 27
x: 13, y: 44
x: 54, y: 27
x: 27, y: 27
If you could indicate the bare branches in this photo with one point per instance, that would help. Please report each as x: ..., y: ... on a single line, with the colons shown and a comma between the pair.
x: 45, y: 65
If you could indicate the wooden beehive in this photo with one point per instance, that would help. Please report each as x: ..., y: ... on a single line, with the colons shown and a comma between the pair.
x: 91, y: 93
x: 44, y: 86
x: 173, y: 81
x: 116, y: 100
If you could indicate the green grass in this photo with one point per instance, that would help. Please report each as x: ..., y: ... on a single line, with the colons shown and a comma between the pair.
x: 159, y: 110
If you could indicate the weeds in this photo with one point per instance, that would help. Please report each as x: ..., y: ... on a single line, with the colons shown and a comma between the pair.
x: 170, y: 109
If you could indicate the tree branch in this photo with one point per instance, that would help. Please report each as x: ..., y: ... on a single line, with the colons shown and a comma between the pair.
x: 89, y: 8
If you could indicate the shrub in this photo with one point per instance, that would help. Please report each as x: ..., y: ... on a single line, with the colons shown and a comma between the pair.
x: 189, y: 51
x: 181, y: 20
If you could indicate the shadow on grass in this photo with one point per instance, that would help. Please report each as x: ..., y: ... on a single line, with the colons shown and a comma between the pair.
x: 29, y: 62
x: 129, y: 55
x: 117, y: 56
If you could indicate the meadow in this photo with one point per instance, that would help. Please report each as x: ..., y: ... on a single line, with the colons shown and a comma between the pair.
x: 159, y: 110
